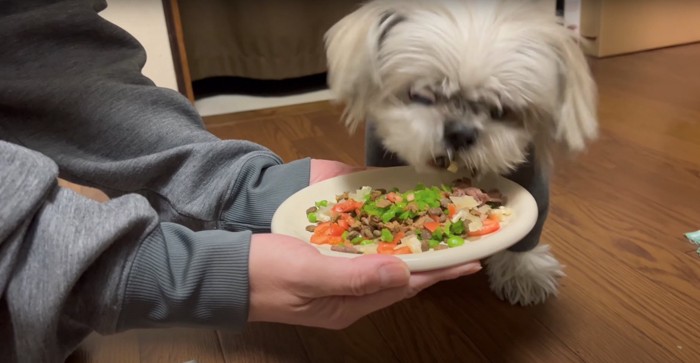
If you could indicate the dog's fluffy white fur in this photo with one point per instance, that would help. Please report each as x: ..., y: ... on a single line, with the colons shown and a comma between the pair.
x: 524, y: 278
x: 506, y: 71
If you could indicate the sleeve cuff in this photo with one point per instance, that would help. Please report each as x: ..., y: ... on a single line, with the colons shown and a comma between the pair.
x: 185, y: 278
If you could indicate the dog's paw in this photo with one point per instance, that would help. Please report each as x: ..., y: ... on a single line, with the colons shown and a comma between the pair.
x: 524, y: 278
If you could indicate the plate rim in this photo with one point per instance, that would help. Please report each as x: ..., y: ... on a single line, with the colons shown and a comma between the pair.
x: 434, y: 259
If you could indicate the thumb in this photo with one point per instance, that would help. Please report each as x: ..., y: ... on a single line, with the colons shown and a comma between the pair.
x: 325, y: 169
x: 356, y: 276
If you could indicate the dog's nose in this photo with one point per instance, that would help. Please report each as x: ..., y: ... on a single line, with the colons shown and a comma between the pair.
x: 460, y: 136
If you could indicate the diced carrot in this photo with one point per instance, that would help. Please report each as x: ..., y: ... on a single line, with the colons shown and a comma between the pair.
x: 335, y: 240
x: 393, y: 197
x: 336, y: 230
x: 347, y: 217
x: 321, y: 228
x: 327, y: 232
x: 490, y: 226
x: 347, y: 206
x: 319, y: 239
x: 403, y: 251
x: 344, y: 221
x: 390, y: 249
x: 431, y: 226
x: 398, y: 236
x: 452, y: 209
x: 385, y: 248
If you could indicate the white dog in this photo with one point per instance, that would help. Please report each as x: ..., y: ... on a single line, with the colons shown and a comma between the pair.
x: 476, y: 82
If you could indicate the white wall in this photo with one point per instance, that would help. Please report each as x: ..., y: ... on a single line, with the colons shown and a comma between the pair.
x: 145, y: 21
x: 572, y: 14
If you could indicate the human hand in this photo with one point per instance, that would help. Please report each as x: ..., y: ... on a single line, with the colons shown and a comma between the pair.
x: 326, y: 169
x: 291, y: 282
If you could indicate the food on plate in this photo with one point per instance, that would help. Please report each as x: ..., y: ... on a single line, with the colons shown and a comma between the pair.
x: 422, y: 219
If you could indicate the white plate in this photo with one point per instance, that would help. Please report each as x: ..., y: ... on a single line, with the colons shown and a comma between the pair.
x: 290, y: 217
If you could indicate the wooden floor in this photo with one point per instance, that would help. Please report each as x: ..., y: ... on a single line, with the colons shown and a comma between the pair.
x: 618, y: 216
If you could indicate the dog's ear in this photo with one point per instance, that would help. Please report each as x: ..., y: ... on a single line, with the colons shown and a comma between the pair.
x: 352, y: 45
x: 576, y: 120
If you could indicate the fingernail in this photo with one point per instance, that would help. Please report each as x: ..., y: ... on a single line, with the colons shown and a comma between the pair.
x: 393, y: 275
x: 476, y: 268
x: 471, y: 268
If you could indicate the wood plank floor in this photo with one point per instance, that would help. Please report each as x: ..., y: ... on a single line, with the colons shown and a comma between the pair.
x: 618, y: 215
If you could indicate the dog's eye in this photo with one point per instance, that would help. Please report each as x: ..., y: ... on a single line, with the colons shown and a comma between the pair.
x: 421, y: 98
x: 498, y: 113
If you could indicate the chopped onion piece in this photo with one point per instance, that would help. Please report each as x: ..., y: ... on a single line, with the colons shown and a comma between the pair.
x: 360, y: 194
x: 464, y: 202
x: 412, y: 242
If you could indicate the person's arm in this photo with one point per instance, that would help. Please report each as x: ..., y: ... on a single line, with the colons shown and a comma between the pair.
x: 70, y: 265
x: 72, y: 89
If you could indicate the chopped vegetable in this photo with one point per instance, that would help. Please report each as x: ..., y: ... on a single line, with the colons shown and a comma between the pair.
x: 414, y: 221
x: 431, y: 226
x: 454, y: 241
x: 312, y: 217
x: 490, y: 225
x: 387, y: 236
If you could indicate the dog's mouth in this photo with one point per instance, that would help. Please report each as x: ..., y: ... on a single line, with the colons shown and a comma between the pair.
x: 448, y: 162
x: 441, y: 162
x: 444, y: 161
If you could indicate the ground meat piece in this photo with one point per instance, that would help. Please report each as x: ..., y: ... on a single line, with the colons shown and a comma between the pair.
x: 441, y: 247
x: 424, y: 245
x: 311, y: 210
x: 311, y: 228
x: 355, y: 224
x: 425, y: 234
x: 383, y: 203
x: 367, y: 232
x: 390, y: 225
x: 377, y: 233
x: 421, y: 221
x: 412, y: 207
x: 347, y: 249
x: 353, y: 234
x: 474, y: 192
x: 496, y: 196
x: 444, y: 202
x: 435, y: 211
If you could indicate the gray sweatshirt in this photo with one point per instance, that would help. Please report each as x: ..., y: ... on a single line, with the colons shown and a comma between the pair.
x: 171, y: 246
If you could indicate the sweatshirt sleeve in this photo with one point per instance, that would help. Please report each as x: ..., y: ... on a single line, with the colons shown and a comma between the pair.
x: 70, y: 265
x: 72, y: 89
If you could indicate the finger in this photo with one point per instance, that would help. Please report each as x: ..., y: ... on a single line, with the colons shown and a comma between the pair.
x: 354, y: 276
x: 324, y: 169
x: 343, y: 311
x: 339, y: 312
x: 422, y: 280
